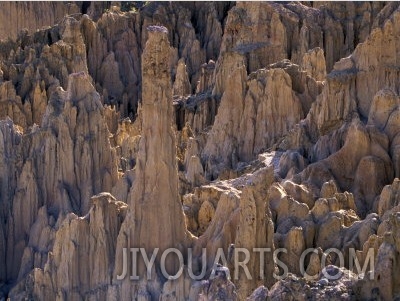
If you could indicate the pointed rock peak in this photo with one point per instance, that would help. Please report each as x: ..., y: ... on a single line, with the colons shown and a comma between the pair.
x: 154, y: 198
x: 182, y: 83
x: 55, y: 106
x: 70, y: 30
x: 314, y: 64
x: 79, y: 86
x: 57, y: 101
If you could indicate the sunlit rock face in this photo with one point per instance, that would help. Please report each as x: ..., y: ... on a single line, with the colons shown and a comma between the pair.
x: 258, y: 141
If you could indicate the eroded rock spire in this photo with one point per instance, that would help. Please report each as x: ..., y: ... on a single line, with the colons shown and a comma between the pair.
x: 155, y: 218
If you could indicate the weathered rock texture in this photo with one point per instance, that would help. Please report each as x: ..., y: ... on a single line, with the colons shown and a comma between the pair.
x: 205, y: 125
x: 155, y: 218
x: 74, y: 140
x: 17, y: 16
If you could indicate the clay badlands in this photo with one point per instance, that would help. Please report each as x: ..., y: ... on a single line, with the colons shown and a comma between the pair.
x: 199, y: 151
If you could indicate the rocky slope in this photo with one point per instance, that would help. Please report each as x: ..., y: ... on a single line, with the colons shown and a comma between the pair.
x: 203, y: 127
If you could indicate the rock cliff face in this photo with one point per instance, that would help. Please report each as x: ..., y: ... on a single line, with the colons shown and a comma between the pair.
x: 210, y: 128
x: 29, y: 16
x: 73, y: 139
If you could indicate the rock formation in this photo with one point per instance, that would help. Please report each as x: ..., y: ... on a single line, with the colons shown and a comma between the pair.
x: 73, y: 139
x: 212, y: 128
x: 30, y: 17
x: 155, y: 218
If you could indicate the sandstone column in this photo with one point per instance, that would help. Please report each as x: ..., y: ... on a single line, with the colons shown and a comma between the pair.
x: 155, y: 196
x: 155, y: 218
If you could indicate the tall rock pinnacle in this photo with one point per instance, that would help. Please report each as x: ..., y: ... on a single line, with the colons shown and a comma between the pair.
x: 156, y: 219
x: 155, y: 196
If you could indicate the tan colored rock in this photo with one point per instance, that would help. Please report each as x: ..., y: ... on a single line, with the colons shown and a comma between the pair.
x: 385, y: 281
x: 188, y: 44
x: 70, y: 268
x: 295, y: 230
x: 307, y: 88
x: 314, y: 64
x: 328, y: 189
x: 157, y: 147
x: 74, y: 141
x: 181, y: 85
x: 314, y: 265
x: 368, y: 189
x: 255, y: 28
x: 206, y: 77
x: 221, y: 232
x: 335, y: 232
x: 384, y: 114
x: 194, y: 169
x: 206, y: 214
x: 193, y: 202
x: 320, y: 209
x: 228, y: 68
x: 291, y: 30
x: 273, y: 118
x: 250, y: 118
x: 242, y: 220
x: 383, y: 104
x: 42, y: 234
x: 389, y: 199
x: 285, y: 206
x: 58, y: 51
x: 198, y: 111
x: 126, y: 140
x: 39, y: 103
x: 299, y: 192
x: 360, y: 145
x: 346, y: 200
x: 31, y: 16
x: 211, y: 17
x: 289, y: 182
x: 295, y: 245
x: 109, y: 77
x: 117, y: 37
x: 73, y: 49
x: 227, y: 121
x: 96, y: 45
x: 255, y: 230
x: 291, y: 163
x: 112, y: 117
x: 11, y: 104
